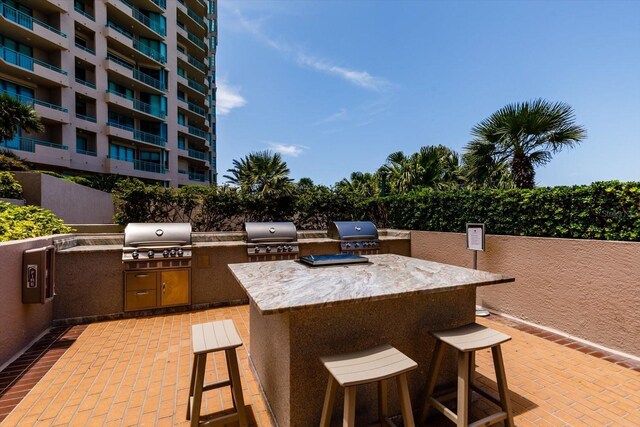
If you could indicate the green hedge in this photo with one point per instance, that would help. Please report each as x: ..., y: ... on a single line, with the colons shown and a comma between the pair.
x: 23, y: 222
x: 602, y: 210
x: 9, y: 187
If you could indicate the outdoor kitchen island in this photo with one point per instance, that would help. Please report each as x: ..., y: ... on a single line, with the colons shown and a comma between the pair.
x: 299, y: 313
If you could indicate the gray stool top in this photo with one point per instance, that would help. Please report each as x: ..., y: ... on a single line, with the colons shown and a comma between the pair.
x: 367, y: 366
x: 214, y: 336
x: 471, y: 337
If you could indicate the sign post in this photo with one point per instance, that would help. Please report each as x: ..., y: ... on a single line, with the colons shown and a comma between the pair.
x: 475, y: 243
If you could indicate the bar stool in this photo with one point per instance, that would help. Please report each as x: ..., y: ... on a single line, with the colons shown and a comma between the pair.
x: 208, y: 338
x: 466, y: 340
x: 373, y: 365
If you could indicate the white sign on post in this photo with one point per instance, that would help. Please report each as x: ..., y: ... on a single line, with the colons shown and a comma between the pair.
x: 475, y: 237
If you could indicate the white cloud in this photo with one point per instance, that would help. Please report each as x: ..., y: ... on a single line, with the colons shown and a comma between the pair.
x: 339, y: 115
x: 228, y: 98
x: 287, y: 149
x: 358, y: 78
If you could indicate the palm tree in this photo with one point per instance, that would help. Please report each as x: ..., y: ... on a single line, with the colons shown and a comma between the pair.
x: 14, y: 115
x: 261, y: 172
x: 365, y: 184
x: 432, y: 167
x: 522, y: 136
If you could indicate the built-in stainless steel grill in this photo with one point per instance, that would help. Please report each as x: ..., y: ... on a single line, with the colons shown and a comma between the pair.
x: 271, y: 240
x: 355, y: 236
x: 157, y: 265
x: 157, y: 245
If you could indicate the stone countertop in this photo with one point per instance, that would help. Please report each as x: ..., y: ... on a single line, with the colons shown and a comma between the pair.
x: 281, y: 286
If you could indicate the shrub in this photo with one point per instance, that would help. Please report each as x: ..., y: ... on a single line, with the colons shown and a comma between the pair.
x: 23, y: 222
x: 10, y: 161
x: 9, y: 187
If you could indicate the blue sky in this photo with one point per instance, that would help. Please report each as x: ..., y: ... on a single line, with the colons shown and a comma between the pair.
x: 336, y: 86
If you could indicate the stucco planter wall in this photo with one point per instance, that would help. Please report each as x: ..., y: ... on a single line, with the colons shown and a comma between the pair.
x: 17, y: 202
x: 586, y: 288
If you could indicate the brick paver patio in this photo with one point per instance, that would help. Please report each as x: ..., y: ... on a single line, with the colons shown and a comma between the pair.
x: 136, y: 372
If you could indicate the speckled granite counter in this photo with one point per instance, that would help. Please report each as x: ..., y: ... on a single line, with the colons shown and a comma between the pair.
x: 300, y: 313
x: 288, y: 285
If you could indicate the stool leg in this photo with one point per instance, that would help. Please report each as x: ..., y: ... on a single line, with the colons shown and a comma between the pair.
x: 192, y: 385
x: 432, y: 378
x: 329, y: 397
x: 233, y: 399
x: 502, y: 384
x: 405, y: 401
x: 383, y: 399
x: 201, y: 361
x: 463, y: 389
x: 349, y: 416
x: 472, y: 370
x: 236, y: 388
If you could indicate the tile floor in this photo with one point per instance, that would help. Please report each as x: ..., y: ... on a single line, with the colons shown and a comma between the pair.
x: 135, y: 372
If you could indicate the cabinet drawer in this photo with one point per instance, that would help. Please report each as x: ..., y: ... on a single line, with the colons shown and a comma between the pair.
x: 138, y: 281
x: 140, y: 300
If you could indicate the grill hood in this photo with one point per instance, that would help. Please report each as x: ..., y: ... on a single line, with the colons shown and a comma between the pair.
x: 157, y: 234
x: 265, y: 232
x: 352, y: 230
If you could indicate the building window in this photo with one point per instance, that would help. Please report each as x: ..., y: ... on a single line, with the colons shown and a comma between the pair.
x: 120, y: 152
x: 182, y: 143
x: 181, y: 119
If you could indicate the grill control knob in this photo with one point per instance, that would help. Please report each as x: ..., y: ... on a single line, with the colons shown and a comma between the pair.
x: 268, y: 249
x: 348, y: 245
x: 355, y: 245
x: 150, y: 254
x: 180, y: 252
x: 289, y: 248
x: 279, y: 248
x: 173, y: 252
x: 135, y: 254
x: 257, y: 250
x: 165, y: 253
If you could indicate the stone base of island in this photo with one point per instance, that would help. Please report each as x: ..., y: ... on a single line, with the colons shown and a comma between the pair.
x: 299, y: 313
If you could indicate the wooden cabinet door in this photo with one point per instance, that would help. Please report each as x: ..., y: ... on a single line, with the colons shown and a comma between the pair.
x: 175, y: 287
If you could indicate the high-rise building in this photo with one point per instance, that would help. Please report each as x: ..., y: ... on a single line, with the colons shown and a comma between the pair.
x: 122, y: 86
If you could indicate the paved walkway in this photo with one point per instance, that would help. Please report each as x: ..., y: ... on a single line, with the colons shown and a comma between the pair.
x: 136, y: 372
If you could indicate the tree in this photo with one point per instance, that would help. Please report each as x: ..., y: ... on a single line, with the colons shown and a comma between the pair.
x: 365, y: 184
x: 521, y: 136
x: 433, y: 166
x: 262, y: 173
x: 14, y: 115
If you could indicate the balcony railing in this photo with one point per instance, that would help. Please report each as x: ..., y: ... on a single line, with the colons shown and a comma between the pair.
x: 160, y: 3
x: 140, y: 135
x: 195, y: 85
x: 87, y: 118
x: 197, y: 109
x: 142, y: 165
x: 138, y: 45
x: 25, y: 61
x: 141, y: 17
x: 86, y: 49
x: 29, y: 144
x: 196, y: 40
x: 139, y: 75
x: 139, y: 105
x: 25, y: 20
x: 85, y: 14
x: 196, y: 154
x: 197, y: 63
x: 86, y: 83
x: 197, y: 132
x: 196, y: 176
x: 86, y: 152
x: 32, y: 101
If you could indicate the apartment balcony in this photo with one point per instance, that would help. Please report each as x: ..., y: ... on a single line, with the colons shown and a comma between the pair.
x: 197, y: 114
x: 24, y: 27
x: 192, y: 86
x: 85, y: 53
x: 125, y: 74
x: 84, y: 18
x: 158, y: 6
x: 191, y: 63
x: 133, y: 47
x: 131, y: 18
x: 131, y: 134
x: 86, y: 88
x: 136, y: 168
x: 132, y: 105
x: 27, y: 68
x: 197, y: 132
x: 49, y: 113
x: 40, y: 151
x: 192, y: 39
x: 190, y: 17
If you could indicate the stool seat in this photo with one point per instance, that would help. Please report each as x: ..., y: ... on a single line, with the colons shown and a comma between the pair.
x: 214, y: 336
x: 367, y: 366
x: 471, y: 337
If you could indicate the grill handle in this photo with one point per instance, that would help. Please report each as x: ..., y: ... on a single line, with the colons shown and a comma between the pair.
x: 140, y: 276
x: 142, y: 292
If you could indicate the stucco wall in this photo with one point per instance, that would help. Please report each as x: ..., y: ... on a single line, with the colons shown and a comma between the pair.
x: 586, y: 288
x: 73, y: 203
x: 20, y: 323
